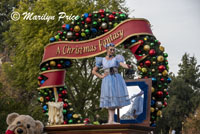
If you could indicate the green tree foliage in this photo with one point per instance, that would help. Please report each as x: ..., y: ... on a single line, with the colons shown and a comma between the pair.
x: 192, y: 123
x: 6, y: 8
x: 26, y: 40
x: 184, y: 91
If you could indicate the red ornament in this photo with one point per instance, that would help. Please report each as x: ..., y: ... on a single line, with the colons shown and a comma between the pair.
x: 167, y: 93
x: 63, y: 26
x: 106, y: 30
x: 120, y: 12
x: 113, y: 12
x: 146, y: 77
x: 71, y: 29
x: 86, y: 121
x: 60, y: 95
x: 39, y: 78
x: 47, y: 98
x: 60, y: 32
x: 141, y: 64
x: 101, y: 11
x: 165, y: 104
x: 148, y: 63
x: 88, y: 20
x: 65, y: 122
x: 60, y: 99
x: 111, y: 17
x: 99, y: 27
x: 152, y: 52
x: 90, y: 15
x: 82, y: 22
x: 102, y: 16
x: 162, y: 79
x: 64, y: 92
x: 161, y: 68
x: 59, y: 66
x: 77, y: 34
x: 60, y: 40
x: 159, y: 93
x: 139, y: 51
x: 141, y: 42
x: 65, y: 105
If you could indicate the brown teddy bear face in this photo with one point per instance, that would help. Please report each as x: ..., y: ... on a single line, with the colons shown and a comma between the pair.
x: 23, y: 124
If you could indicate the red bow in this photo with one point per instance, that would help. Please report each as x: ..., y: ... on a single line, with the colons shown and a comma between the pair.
x: 9, y: 132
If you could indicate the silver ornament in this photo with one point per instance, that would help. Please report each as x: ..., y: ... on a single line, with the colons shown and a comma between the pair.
x: 104, y: 25
x: 69, y: 35
x: 159, y: 104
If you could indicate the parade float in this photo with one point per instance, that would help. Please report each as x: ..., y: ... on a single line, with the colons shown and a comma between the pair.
x: 86, y: 37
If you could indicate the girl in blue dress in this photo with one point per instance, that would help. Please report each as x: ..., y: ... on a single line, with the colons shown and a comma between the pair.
x: 114, y: 92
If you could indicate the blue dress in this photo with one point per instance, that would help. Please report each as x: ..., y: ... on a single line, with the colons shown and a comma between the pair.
x: 114, y: 92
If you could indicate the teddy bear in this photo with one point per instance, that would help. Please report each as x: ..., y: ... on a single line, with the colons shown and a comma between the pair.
x: 23, y: 124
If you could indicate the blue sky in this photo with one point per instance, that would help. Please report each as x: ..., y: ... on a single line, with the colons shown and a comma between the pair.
x: 176, y: 24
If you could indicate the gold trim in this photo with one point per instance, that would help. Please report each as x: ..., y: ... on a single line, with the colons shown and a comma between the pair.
x: 143, y: 58
x: 78, y: 42
x: 52, y: 86
x: 52, y: 71
x: 134, y: 44
x: 96, y: 53
x: 109, y: 130
x: 65, y: 125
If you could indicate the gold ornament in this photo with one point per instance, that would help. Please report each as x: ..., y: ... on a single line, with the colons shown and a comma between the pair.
x: 162, y: 48
x: 160, y: 58
x: 146, y: 48
x: 153, y: 62
x: 41, y: 99
x: 153, y: 98
x: 75, y: 116
x: 165, y: 90
x: 99, y: 20
x: 70, y: 104
x: 152, y: 109
x: 52, y: 63
x: 82, y: 30
x: 144, y: 70
x: 145, y: 38
x: 86, y: 26
x: 165, y: 73
x: 153, y: 70
x: 76, y: 28
x: 165, y: 99
x: 152, y: 89
x: 139, y: 68
x: 159, y: 74
x: 159, y: 113
x: 38, y: 82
